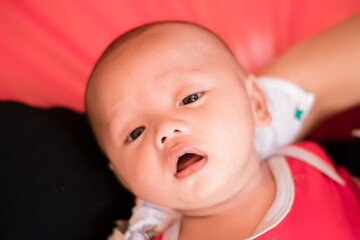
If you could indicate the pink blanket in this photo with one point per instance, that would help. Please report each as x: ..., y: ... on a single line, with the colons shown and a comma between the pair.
x: 48, y: 48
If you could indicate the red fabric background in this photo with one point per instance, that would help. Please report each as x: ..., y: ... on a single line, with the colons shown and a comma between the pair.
x: 48, y: 48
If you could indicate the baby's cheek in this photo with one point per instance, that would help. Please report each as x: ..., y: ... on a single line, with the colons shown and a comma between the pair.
x: 144, y: 181
x: 139, y: 185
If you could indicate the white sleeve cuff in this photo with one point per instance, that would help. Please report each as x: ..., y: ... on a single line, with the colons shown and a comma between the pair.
x: 289, y: 106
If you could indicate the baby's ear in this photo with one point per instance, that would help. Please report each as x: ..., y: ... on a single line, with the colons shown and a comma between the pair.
x: 257, y: 98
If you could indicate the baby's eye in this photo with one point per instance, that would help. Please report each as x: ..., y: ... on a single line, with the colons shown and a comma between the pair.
x: 135, y: 134
x: 191, y: 98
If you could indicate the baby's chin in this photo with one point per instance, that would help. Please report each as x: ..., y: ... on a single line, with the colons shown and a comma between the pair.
x: 205, y: 195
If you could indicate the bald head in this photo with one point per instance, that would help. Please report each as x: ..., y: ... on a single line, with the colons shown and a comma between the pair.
x: 146, y: 49
x: 135, y: 32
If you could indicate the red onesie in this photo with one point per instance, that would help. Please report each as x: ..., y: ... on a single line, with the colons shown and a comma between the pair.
x: 314, y: 199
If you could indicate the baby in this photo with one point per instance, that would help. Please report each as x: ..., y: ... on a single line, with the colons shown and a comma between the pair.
x: 175, y: 114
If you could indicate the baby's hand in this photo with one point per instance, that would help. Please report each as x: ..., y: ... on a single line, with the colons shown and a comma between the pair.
x: 117, y: 234
x: 356, y: 133
x: 147, y: 221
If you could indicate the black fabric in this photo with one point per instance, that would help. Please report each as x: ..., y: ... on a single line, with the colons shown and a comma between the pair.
x: 354, y: 158
x: 345, y: 153
x: 54, y: 181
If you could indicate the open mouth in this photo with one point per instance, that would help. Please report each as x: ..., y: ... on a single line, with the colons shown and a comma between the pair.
x: 186, y: 161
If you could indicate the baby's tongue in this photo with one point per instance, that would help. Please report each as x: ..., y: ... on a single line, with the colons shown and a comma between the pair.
x: 186, y: 160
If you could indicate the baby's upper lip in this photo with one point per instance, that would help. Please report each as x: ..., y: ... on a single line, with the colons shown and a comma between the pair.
x: 177, y: 151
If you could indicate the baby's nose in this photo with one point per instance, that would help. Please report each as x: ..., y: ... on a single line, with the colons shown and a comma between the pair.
x: 163, y: 139
x: 168, y: 129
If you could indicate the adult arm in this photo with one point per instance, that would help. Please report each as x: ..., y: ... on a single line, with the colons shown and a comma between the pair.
x: 327, y: 65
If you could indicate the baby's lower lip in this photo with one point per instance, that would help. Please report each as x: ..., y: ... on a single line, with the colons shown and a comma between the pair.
x: 193, y: 168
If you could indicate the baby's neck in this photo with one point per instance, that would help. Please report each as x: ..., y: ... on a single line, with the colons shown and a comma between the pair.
x: 238, y: 217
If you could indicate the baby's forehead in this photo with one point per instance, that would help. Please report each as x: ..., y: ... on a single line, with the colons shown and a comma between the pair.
x: 159, y: 49
x: 162, y: 48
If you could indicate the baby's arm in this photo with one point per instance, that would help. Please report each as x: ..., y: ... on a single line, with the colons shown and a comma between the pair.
x: 327, y: 65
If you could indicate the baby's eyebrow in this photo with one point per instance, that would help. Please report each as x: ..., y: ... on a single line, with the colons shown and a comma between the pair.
x: 171, y: 75
x: 116, y: 127
x: 172, y: 79
x: 197, y: 76
x: 116, y: 116
x: 116, y: 108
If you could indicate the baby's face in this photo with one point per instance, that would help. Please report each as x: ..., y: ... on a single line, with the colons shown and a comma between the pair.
x: 175, y: 118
